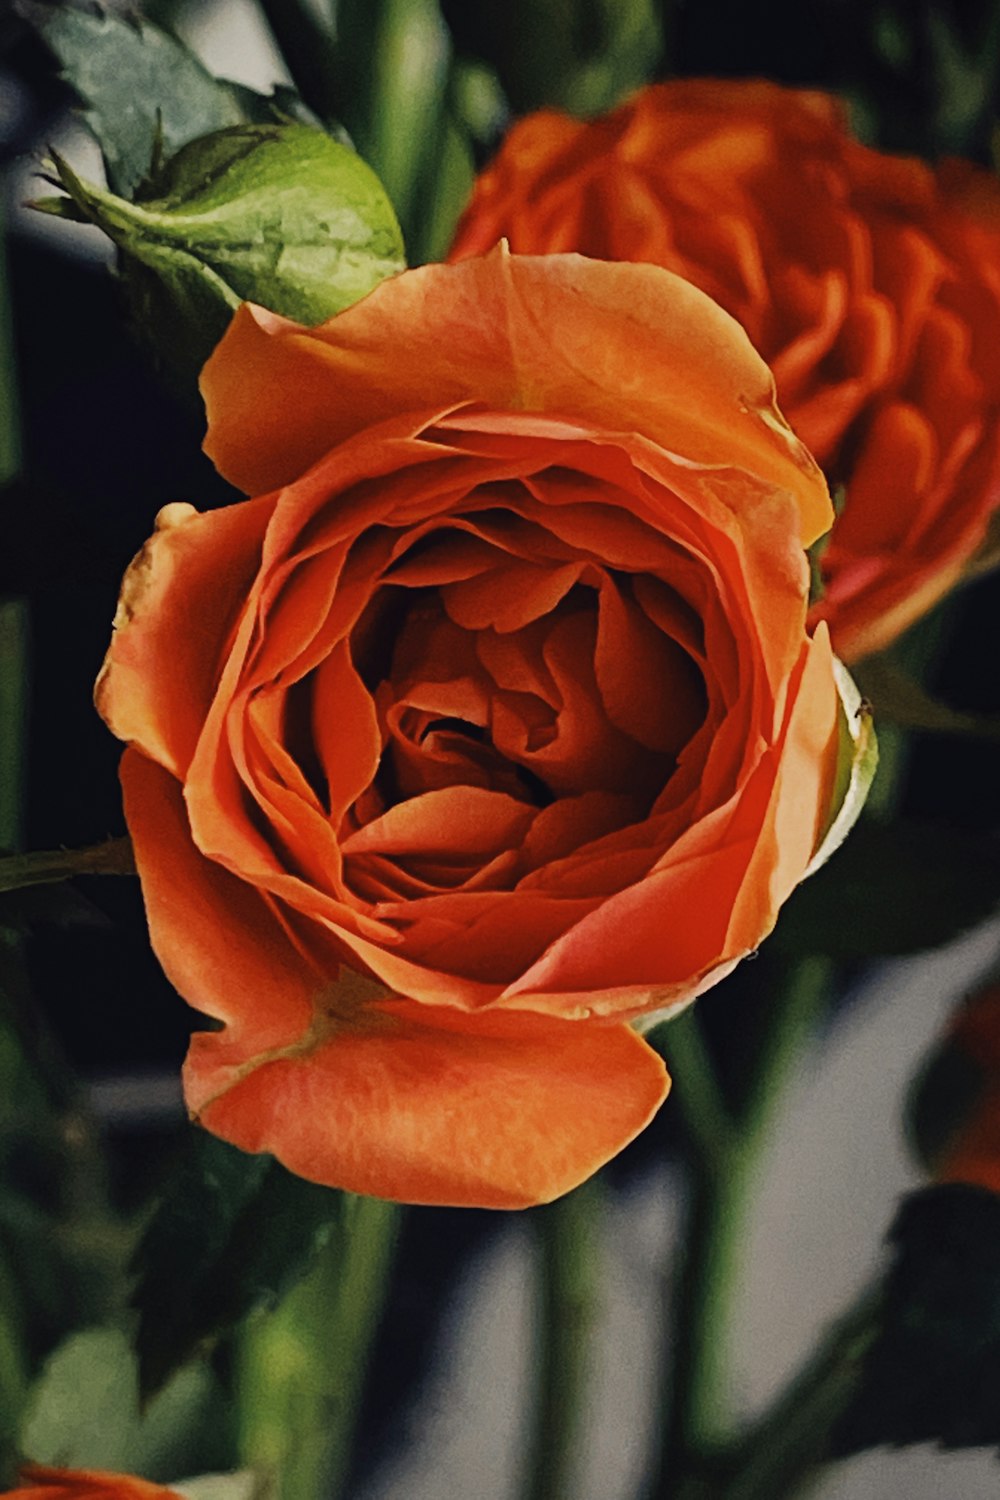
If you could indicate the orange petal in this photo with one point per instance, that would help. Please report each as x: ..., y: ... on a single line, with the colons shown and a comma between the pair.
x: 218, y: 939
x: 178, y: 603
x: 428, y: 1106
x: 800, y: 803
x: 614, y: 345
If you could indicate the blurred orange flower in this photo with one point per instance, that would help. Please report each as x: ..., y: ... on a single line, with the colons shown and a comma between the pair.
x: 971, y: 1148
x: 870, y: 283
x: 499, y: 694
x: 84, y: 1484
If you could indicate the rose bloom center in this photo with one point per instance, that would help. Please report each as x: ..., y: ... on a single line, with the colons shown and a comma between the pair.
x: 529, y: 700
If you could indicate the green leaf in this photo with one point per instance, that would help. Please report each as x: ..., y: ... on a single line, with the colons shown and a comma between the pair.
x: 84, y: 1408
x: 582, y: 57
x: 138, y: 84
x: 84, y: 1411
x: 932, y: 1372
x: 230, y: 1234
x: 897, y: 696
x: 145, y: 95
x: 893, y: 888
x: 857, y: 762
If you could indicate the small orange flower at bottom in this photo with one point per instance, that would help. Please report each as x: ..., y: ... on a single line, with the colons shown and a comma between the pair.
x: 42, y: 1483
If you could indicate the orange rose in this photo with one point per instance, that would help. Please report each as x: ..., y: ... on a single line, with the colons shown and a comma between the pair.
x: 84, y: 1484
x: 870, y: 283
x: 500, y: 694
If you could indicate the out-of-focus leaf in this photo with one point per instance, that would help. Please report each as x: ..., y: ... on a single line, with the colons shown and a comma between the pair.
x: 899, y: 697
x: 145, y: 94
x: 893, y: 888
x: 51, y: 905
x: 582, y: 58
x: 932, y: 1372
x: 231, y: 1232
x: 84, y: 1411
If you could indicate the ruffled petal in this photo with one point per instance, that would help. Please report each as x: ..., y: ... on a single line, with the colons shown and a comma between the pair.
x: 219, y: 940
x: 630, y: 347
x: 178, y: 604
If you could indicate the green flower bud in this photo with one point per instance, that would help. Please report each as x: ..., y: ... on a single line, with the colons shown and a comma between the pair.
x: 281, y: 215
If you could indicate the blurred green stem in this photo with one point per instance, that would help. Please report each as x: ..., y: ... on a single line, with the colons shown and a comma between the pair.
x: 301, y: 1370
x: 783, y: 1453
x: 49, y: 866
x: 568, y: 1286
x: 726, y: 1151
x: 380, y: 68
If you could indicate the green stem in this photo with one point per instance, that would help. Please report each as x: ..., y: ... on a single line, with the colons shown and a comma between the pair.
x: 783, y: 1453
x: 694, y: 1399
x: 568, y: 1285
x: 799, y: 991
x: 46, y: 867
x: 695, y: 1089
x: 727, y: 1150
x: 301, y: 1371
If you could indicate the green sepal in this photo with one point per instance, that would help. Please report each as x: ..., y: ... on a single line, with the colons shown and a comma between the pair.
x: 857, y: 762
x: 280, y: 215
